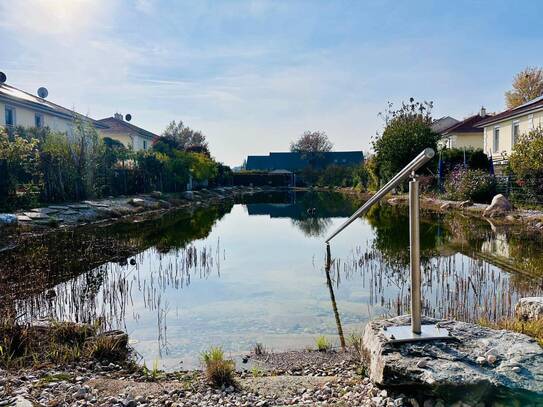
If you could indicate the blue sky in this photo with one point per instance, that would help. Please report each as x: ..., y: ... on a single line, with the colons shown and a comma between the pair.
x: 253, y: 75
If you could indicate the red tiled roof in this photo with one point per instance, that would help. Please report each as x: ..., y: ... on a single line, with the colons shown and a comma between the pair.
x: 534, y: 104
x: 468, y: 125
x: 114, y: 124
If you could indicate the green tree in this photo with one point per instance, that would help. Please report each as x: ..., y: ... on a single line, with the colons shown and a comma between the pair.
x: 180, y: 137
x: 407, y: 132
x: 19, y: 160
x: 527, y: 85
x: 526, y: 162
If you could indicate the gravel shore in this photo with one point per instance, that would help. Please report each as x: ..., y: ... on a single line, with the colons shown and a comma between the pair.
x: 282, y: 379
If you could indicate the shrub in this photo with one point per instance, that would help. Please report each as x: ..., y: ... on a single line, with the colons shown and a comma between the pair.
x: 476, y: 159
x: 476, y: 185
x: 323, y: 344
x: 337, y: 176
x: 407, y: 132
x: 526, y: 162
x: 218, y: 370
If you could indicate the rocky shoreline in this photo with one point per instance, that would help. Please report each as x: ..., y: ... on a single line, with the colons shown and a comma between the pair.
x: 103, y: 212
x: 314, y: 378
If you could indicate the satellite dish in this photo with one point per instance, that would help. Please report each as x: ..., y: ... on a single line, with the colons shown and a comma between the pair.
x: 128, y: 117
x: 42, y: 92
x: 3, y: 77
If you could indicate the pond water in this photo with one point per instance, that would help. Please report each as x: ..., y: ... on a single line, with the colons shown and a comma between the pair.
x: 237, y: 274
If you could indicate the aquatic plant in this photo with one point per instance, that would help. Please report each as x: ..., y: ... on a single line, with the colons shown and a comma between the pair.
x: 259, y: 349
x: 218, y: 370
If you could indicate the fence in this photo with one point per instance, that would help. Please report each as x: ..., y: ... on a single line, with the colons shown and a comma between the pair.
x: 521, y: 191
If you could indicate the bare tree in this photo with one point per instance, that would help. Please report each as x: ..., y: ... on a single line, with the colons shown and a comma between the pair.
x: 527, y: 85
x: 312, y: 142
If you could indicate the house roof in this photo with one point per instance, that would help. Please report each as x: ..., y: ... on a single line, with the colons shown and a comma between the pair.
x: 21, y: 98
x: 118, y: 125
x: 443, y: 123
x: 298, y: 161
x: 468, y: 125
x: 534, y: 104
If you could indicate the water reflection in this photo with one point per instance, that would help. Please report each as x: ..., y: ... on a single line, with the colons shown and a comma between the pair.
x: 237, y: 274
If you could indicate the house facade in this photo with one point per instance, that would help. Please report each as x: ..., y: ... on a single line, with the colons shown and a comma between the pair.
x: 20, y: 108
x: 501, y: 131
x: 465, y: 133
x: 133, y: 137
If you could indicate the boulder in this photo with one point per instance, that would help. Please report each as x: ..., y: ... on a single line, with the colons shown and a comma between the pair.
x: 498, y: 207
x: 529, y: 308
x: 20, y: 401
x: 7, y: 219
x: 137, y: 202
x: 156, y: 194
x: 188, y: 195
x: 481, y: 364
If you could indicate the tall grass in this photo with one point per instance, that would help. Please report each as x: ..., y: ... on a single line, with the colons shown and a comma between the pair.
x: 219, y: 371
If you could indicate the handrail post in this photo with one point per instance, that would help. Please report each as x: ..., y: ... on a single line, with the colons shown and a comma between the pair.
x: 414, y: 240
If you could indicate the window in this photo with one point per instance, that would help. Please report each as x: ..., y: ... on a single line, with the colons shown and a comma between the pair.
x: 496, y: 139
x: 531, y: 121
x: 145, y: 144
x: 38, y: 120
x: 515, y: 132
x: 10, y: 116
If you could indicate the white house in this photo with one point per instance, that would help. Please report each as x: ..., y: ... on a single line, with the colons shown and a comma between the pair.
x: 501, y: 131
x: 20, y: 108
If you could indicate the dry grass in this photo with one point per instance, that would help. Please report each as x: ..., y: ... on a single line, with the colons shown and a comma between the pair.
x: 56, y: 343
x: 530, y: 328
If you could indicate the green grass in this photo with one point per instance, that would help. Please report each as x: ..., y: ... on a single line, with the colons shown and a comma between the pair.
x: 57, y: 377
x: 152, y: 374
x: 257, y: 371
x: 218, y: 370
x: 323, y: 344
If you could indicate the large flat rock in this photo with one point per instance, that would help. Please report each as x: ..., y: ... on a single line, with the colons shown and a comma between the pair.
x: 482, y: 364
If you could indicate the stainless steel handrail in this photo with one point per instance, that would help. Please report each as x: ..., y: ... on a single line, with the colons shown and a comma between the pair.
x: 414, y: 165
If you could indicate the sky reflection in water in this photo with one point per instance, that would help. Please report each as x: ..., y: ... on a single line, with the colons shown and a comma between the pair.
x: 258, y: 276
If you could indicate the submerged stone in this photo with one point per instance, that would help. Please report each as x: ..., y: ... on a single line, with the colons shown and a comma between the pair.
x: 460, y: 365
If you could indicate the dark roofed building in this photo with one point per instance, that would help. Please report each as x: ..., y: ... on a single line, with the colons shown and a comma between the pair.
x: 465, y: 133
x: 296, y: 162
x: 443, y: 123
x: 130, y: 135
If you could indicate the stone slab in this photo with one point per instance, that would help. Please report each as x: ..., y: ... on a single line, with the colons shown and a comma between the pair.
x: 59, y: 207
x: 36, y: 215
x: 79, y: 206
x: 23, y: 218
x: 482, y: 360
x: 45, y: 211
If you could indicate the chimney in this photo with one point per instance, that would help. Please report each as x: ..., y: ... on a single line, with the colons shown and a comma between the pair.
x: 118, y: 116
x: 483, y: 112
